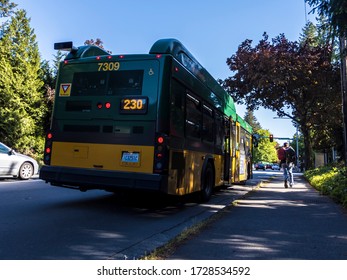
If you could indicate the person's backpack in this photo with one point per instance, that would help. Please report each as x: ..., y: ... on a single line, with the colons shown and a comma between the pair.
x: 281, y: 154
x: 290, y: 155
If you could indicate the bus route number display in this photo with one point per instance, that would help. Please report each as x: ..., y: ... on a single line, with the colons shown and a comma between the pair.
x: 134, y: 105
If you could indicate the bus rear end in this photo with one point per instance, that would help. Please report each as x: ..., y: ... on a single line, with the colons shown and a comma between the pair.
x: 104, y: 125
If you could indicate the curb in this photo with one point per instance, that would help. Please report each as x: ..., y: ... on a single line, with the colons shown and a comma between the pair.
x: 146, y: 247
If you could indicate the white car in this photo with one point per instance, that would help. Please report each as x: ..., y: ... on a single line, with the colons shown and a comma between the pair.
x: 16, y: 165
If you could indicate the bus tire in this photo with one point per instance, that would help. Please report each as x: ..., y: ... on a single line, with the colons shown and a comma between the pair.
x: 249, y: 171
x: 207, y: 183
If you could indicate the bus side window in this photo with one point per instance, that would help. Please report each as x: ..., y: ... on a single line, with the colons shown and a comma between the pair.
x: 177, y: 109
x: 219, y: 132
x: 208, y: 124
x: 193, y: 117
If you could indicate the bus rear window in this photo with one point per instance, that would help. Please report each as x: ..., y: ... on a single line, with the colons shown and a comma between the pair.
x: 120, y: 83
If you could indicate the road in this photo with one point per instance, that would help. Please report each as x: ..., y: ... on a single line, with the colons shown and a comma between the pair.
x: 40, y: 222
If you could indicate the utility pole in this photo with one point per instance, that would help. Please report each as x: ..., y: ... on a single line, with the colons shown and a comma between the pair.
x: 343, y: 50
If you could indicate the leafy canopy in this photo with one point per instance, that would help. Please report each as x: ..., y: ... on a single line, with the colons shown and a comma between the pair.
x: 296, y: 80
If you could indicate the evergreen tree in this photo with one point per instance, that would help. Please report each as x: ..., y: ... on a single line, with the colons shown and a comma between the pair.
x: 21, y: 103
x: 327, y: 130
x: 335, y: 11
x: 6, y: 8
x: 252, y: 120
x: 49, y: 78
x: 309, y: 34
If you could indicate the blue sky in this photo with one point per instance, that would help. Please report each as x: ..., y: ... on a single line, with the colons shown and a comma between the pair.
x: 211, y: 30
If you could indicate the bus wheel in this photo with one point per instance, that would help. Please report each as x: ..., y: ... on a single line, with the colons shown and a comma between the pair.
x: 207, y: 183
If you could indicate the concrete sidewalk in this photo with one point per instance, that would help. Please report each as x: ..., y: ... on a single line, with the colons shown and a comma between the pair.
x: 201, y: 214
x: 273, y: 223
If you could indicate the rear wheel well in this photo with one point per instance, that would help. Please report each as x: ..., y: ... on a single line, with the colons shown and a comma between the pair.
x: 207, y: 180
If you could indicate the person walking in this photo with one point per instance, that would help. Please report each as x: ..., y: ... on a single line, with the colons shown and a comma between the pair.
x: 286, y: 155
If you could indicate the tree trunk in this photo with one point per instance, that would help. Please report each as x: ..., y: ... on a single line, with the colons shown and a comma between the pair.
x: 308, y: 156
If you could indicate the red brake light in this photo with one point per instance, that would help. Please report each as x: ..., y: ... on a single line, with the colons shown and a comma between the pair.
x: 161, y: 159
x: 158, y: 56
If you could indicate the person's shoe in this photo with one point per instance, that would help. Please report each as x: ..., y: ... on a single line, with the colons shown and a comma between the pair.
x: 291, y: 185
x: 285, y: 183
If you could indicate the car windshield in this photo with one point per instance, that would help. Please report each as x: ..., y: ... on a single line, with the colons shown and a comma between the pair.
x: 4, y: 149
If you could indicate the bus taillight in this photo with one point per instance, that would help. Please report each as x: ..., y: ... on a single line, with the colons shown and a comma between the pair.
x: 48, y: 148
x: 107, y: 105
x: 161, y: 154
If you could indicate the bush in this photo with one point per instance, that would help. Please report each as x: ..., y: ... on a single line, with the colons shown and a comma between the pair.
x: 331, y: 181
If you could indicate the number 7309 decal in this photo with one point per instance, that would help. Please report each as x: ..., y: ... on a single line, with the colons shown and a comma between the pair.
x: 108, y: 66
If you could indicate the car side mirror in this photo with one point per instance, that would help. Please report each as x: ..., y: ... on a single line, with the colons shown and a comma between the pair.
x: 11, y: 153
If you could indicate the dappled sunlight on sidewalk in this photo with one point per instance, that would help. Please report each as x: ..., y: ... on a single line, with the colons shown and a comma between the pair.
x: 274, y: 223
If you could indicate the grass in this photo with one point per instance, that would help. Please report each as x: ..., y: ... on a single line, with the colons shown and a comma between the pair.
x: 330, y: 180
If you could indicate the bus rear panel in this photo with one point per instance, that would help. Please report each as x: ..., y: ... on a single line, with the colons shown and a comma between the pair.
x: 104, y: 126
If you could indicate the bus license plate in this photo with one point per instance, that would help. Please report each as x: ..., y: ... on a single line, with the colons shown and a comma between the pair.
x: 131, y: 158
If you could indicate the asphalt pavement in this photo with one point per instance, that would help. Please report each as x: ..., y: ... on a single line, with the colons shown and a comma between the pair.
x: 273, y: 223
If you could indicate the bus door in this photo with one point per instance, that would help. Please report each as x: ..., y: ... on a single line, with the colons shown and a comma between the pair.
x: 238, y: 154
x: 227, y: 149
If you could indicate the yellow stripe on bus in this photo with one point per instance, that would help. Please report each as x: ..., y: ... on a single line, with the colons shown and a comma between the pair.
x: 102, y: 156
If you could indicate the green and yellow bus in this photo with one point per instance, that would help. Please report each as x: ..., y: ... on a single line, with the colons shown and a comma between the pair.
x: 148, y: 122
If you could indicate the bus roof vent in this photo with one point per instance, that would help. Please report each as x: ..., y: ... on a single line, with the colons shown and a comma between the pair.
x: 79, y: 52
x: 166, y: 46
x: 170, y: 46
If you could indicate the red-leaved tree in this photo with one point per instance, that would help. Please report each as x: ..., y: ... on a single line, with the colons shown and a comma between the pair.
x: 296, y: 80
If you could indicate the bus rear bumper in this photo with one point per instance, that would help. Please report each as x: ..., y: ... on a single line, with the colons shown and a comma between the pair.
x: 86, y: 179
